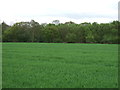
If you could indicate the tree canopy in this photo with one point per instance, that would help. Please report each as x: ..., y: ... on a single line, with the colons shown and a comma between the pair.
x: 55, y: 32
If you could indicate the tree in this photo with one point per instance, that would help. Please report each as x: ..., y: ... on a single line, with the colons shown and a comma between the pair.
x: 71, y: 38
x: 18, y: 32
x: 81, y: 34
x: 0, y: 32
x: 51, y: 33
x: 70, y: 22
x: 89, y: 34
x: 35, y: 27
x: 56, y: 22
x: 69, y: 32
x: 4, y: 27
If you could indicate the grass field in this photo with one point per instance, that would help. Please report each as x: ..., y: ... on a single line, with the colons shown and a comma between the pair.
x: 60, y: 65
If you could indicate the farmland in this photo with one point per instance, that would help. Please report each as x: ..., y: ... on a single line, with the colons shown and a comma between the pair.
x: 60, y: 65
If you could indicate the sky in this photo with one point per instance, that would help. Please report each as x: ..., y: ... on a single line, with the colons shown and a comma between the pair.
x: 45, y: 11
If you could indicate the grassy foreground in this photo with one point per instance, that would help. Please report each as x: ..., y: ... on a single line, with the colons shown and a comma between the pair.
x: 60, y: 65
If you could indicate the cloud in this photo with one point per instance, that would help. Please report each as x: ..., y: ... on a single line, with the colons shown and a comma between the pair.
x: 48, y: 10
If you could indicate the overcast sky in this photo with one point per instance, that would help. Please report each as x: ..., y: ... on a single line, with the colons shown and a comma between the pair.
x: 45, y: 11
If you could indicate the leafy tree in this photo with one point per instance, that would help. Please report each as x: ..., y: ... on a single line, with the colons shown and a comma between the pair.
x: 4, y: 27
x: 71, y: 38
x: 0, y: 32
x: 51, y: 33
x: 68, y: 32
x: 56, y: 22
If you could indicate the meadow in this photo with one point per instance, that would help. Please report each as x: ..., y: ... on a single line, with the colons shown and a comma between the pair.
x: 59, y: 65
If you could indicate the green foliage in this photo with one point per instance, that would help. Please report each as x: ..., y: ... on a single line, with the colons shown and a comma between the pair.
x: 71, y: 38
x: 59, y: 65
x: 51, y: 33
x: 58, y: 32
x: 0, y: 32
x: 4, y: 27
x: 18, y: 32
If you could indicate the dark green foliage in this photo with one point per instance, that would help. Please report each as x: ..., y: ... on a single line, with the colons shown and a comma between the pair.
x: 58, y: 32
x: 71, y: 38
x: 4, y: 27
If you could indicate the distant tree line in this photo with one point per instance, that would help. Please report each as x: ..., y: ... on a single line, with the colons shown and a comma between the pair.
x: 56, y: 32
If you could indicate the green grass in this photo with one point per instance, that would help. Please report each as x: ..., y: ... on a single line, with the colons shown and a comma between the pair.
x: 60, y: 65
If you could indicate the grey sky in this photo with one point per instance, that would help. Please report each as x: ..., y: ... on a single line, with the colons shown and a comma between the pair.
x: 45, y: 11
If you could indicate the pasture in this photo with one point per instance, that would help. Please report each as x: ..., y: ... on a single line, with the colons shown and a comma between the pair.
x: 59, y: 65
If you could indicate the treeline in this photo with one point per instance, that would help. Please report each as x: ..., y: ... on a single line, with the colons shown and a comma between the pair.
x: 56, y: 32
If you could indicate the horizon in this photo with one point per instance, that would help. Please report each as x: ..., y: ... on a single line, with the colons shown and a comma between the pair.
x: 59, y: 22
